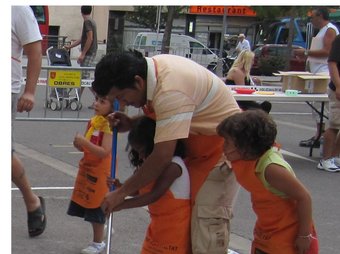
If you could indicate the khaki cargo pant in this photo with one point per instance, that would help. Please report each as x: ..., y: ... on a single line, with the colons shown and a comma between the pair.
x: 212, y: 212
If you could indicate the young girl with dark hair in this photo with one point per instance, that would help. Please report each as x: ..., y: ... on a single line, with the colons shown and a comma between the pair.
x: 168, y: 198
x: 282, y: 204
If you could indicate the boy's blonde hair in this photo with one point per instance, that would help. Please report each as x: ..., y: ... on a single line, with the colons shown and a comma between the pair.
x: 244, y: 61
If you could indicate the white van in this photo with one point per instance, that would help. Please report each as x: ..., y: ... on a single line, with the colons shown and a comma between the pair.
x: 150, y: 44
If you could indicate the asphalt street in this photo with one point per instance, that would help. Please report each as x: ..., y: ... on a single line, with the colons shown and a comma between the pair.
x: 51, y: 164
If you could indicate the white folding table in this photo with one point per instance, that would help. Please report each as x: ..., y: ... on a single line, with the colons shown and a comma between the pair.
x: 281, y: 96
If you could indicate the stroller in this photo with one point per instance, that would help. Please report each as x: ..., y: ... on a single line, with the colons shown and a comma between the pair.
x: 59, y: 97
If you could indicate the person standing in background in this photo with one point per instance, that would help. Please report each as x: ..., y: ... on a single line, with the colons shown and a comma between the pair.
x: 26, y: 38
x: 331, y: 145
x: 317, y: 58
x: 243, y: 44
x: 88, y: 42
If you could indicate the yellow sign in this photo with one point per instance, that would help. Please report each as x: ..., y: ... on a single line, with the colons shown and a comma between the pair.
x: 64, y: 79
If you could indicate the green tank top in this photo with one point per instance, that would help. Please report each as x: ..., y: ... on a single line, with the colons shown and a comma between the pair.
x: 271, y: 156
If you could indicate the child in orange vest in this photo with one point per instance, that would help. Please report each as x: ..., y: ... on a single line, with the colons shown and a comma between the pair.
x: 282, y: 204
x: 168, y: 198
x: 94, y: 169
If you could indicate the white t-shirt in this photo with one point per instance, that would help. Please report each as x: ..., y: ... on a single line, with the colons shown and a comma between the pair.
x: 243, y: 45
x: 319, y: 64
x: 180, y: 188
x: 25, y: 30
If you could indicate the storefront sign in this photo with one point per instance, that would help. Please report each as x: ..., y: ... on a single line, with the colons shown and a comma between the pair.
x: 219, y: 10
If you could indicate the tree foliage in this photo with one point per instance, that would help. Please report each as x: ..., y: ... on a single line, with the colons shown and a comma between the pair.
x: 274, y: 12
x: 146, y: 16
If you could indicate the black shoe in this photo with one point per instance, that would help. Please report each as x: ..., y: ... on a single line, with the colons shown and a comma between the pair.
x: 309, y: 143
x: 36, y: 220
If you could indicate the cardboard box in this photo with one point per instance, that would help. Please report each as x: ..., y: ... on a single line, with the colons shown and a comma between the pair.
x: 305, y: 82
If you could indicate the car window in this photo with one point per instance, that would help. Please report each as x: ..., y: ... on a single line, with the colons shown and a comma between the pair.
x: 196, y: 48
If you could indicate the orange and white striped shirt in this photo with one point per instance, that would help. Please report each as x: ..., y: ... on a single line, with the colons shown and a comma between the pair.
x: 186, y: 98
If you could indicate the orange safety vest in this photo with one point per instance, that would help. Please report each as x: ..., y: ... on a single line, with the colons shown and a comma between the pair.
x: 277, y: 223
x: 169, y: 229
x: 91, y: 182
x: 202, y: 153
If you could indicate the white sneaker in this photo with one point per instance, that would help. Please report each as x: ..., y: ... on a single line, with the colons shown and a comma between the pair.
x: 328, y: 165
x: 337, y: 161
x: 94, y: 248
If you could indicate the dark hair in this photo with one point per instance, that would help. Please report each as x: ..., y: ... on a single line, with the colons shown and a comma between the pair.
x: 86, y: 9
x: 323, y: 12
x: 253, y: 132
x: 118, y: 70
x: 142, y: 133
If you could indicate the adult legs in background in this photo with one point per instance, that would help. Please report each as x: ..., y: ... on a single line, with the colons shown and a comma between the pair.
x: 319, y: 128
x: 331, y: 144
x: 34, y: 204
x: 88, y: 62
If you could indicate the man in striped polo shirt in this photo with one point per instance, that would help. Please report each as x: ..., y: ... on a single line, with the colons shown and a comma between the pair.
x: 188, y: 102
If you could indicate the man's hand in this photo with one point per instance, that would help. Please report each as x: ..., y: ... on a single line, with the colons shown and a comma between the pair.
x: 120, y: 121
x: 81, y: 59
x: 111, y: 200
x: 25, y: 102
x: 67, y: 47
x: 299, y: 52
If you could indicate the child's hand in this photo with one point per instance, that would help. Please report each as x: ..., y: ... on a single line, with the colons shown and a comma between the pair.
x: 78, y: 142
x: 113, y: 182
x: 303, y: 243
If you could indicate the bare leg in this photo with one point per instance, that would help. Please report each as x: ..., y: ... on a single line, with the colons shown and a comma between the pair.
x: 331, y: 145
x: 20, y: 179
x: 98, y: 232
x: 318, y: 129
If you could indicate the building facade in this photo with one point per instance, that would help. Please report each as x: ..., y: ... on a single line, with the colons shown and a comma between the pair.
x: 115, y: 32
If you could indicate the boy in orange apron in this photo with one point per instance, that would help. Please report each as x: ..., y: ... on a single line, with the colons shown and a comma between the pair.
x: 168, y: 198
x: 94, y: 169
x: 282, y: 204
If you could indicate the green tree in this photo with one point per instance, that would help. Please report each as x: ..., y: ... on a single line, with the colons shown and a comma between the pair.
x: 146, y: 17
x: 167, y: 32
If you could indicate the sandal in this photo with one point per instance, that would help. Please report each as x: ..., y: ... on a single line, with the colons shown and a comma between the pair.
x: 36, y: 220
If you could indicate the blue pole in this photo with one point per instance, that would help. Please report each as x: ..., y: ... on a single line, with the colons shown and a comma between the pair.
x: 113, y: 175
x: 114, y: 148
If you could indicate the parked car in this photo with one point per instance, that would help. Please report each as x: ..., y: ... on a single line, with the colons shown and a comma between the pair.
x: 270, y: 58
x: 150, y: 43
